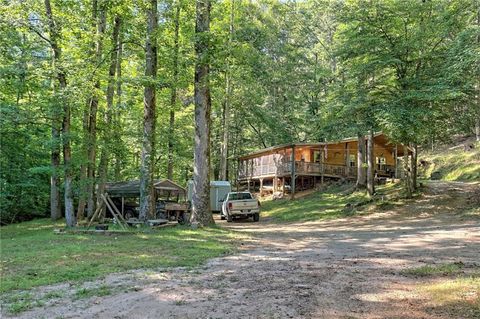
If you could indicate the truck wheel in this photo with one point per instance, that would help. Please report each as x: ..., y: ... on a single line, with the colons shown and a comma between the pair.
x: 128, y: 214
x: 182, y: 220
x: 229, y: 218
x: 256, y: 217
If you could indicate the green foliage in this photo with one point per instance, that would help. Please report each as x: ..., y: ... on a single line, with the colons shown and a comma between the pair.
x: 300, y: 71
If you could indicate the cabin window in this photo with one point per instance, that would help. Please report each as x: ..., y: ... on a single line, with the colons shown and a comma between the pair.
x: 381, y: 162
x: 352, y: 160
x: 316, y: 156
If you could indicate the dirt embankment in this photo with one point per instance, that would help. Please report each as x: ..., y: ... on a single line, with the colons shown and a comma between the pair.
x: 343, y: 268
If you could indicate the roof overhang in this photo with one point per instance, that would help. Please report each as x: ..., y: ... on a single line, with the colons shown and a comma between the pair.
x: 379, y: 138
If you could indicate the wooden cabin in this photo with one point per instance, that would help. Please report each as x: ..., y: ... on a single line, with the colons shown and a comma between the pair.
x: 313, y: 162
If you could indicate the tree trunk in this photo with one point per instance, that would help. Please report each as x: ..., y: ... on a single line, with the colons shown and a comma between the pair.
x: 201, y: 213
x: 407, y: 177
x: 117, y: 114
x: 82, y: 196
x: 173, y: 96
x: 371, y: 164
x: 413, y: 166
x: 361, y: 172
x: 107, y: 138
x: 62, y: 82
x: 477, y: 99
x: 477, y: 127
x: 92, y: 128
x: 55, y: 207
x: 226, y: 103
x: 87, y: 169
x: 147, y: 195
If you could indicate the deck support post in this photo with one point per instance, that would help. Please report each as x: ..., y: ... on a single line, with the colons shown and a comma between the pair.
x: 347, y: 159
x: 292, y: 183
x: 261, y: 187
x: 123, y: 205
x: 248, y: 184
x: 322, y: 166
x: 283, y: 187
x: 396, y: 161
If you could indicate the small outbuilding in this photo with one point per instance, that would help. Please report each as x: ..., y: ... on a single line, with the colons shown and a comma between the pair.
x: 125, y: 194
x: 218, y: 192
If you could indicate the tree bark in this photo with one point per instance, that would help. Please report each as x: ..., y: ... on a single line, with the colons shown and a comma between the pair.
x: 371, y: 164
x: 413, y: 166
x: 407, y: 177
x: 361, y: 172
x: 147, y: 195
x: 477, y: 98
x: 92, y: 129
x: 117, y: 114
x: 201, y: 212
x: 87, y: 169
x: 107, y: 138
x: 62, y: 82
x: 173, y: 96
x: 55, y: 207
x: 477, y: 125
x: 227, y: 101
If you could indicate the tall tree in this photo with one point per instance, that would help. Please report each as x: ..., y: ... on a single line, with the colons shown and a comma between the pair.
x: 107, y: 136
x: 55, y: 201
x: 87, y: 170
x: 147, y: 195
x: 201, y: 212
x: 227, y: 100
x: 54, y: 31
x: 173, y: 93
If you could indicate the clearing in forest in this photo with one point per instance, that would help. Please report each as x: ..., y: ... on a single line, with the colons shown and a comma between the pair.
x: 417, y: 259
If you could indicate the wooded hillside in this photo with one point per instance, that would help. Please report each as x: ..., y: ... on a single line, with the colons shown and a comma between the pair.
x: 109, y: 90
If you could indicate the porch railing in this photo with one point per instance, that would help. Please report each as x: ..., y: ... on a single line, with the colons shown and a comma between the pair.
x: 301, y: 167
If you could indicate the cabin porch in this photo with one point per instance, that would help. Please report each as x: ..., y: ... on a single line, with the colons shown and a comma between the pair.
x: 312, y: 162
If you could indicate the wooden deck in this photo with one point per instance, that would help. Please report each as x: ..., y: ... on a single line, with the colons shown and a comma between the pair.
x: 302, y: 168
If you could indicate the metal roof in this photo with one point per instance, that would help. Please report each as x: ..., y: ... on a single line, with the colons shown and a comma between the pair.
x: 132, y: 188
x: 316, y: 144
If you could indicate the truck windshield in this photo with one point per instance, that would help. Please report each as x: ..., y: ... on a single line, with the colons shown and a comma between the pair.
x: 239, y: 196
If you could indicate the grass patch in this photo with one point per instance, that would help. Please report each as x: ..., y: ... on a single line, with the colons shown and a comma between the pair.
x: 459, y: 297
x: 32, y: 255
x: 329, y: 204
x: 453, y: 165
x: 83, y: 293
x: 434, y: 270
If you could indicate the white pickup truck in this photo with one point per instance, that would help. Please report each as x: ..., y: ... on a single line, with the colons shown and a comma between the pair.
x: 240, y: 204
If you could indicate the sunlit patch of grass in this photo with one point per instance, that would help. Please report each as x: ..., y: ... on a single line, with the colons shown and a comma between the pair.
x: 459, y: 297
x: 328, y: 204
x: 432, y: 270
x: 453, y: 165
x: 32, y: 255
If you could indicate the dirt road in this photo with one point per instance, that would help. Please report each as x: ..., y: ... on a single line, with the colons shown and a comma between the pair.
x: 343, y: 268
